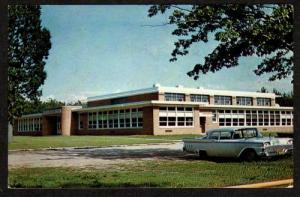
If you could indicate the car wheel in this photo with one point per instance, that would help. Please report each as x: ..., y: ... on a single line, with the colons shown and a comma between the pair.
x: 249, y: 155
x: 202, y: 154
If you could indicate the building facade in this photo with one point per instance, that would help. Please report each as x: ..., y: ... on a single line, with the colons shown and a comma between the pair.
x: 161, y: 111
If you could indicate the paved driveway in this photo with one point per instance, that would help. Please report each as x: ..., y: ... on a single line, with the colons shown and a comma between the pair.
x: 95, y: 157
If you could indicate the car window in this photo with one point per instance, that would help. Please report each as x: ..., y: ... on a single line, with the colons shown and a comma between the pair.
x: 248, y: 133
x: 214, y: 135
x: 237, y: 135
x: 225, y: 135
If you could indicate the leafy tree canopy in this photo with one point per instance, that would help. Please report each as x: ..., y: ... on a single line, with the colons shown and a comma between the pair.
x: 241, y: 30
x: 29, y: 44
x: 31, y: 107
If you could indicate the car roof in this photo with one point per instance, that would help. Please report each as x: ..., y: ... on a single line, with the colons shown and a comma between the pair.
x: 232, y: 129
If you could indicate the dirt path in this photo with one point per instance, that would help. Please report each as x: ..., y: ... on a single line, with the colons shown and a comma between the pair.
x: 99, y: 158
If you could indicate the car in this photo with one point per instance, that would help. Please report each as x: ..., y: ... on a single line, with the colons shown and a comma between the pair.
x: 244, y: 143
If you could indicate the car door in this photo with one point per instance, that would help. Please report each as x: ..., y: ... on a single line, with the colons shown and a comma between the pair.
x: 226, y: 145
x: 212, y: 145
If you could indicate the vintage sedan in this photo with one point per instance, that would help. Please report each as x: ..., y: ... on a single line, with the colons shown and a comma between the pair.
x: 245, y: 143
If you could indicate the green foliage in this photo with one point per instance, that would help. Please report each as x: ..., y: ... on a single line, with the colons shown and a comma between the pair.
x: 241, y: 30
x: 31, y: 107
x: 285, y: 98
x: 29, y: 44
x: 162, y: 173
x: 263, y: 90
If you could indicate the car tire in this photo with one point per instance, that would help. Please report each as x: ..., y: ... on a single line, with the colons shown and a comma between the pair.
x: 249, y: 155
x: 202, y: 154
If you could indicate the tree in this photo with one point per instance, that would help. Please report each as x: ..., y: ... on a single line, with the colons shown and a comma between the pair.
x: 241, y: 30
x: 283, y: 98
x: 31, y: 107
x: 29, y: 45
x: 263, y: 90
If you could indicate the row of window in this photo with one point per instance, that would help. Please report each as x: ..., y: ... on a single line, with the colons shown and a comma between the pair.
x: 29, y: 124
x: 263, y: 101
x: 244, y: 101
x: 174, y: 97
x: 125, y: 118
x: 253, y: 118
x: 176, y: 117
x: 199, y: 98
x: 218, y: 100
x: 223, y: 100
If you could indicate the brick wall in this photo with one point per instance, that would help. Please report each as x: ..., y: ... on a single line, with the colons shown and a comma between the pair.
x: 146, y: 130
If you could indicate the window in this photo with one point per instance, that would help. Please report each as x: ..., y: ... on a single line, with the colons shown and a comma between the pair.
x: 237, y: 135
x: 263, y: 101
x: 140, y: 117
x: 80, y: 122
x: 92, y: 120
x: 214, y: 116
x: 163, y: 121
x: 174, y: 97
x: 254, y: 118
x: 243, y: 100
x: 29, y: 124
x: 104, y: 119
x: 176, y: 117
x: 248, y: 133
x: 214, y: 135
x: 129, y: 118
x: 100, y: 120
x: 199, y: 98
x: 286, y: 118
x: 110, y: 119
x: 225, y: 135
x: 223, y: 100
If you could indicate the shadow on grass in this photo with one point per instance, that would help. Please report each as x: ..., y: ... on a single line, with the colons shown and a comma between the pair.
x: 234, y: 160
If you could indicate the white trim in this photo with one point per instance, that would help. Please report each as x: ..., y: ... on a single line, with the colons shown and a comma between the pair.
x: 31, y: 115
x: 180, y: 103
x: 182, y: 90
x: 205, y: 115
x: 247, y: 107
x: 133, y: 104
x: 123, y: 94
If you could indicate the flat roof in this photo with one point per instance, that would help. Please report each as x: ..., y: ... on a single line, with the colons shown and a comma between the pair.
x: 178, y: 103
x: 181, y: 90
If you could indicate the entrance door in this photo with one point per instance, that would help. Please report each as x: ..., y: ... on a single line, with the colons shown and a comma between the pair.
x: 202, y: 124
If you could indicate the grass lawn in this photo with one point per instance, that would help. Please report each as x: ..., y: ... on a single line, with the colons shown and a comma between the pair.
x: 37, y: 142
x: 162, y: 173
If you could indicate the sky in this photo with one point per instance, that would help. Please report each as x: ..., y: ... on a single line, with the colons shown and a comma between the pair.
x: 102, y: 49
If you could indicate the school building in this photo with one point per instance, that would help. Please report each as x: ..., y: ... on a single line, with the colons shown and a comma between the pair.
x: 161, y: 110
